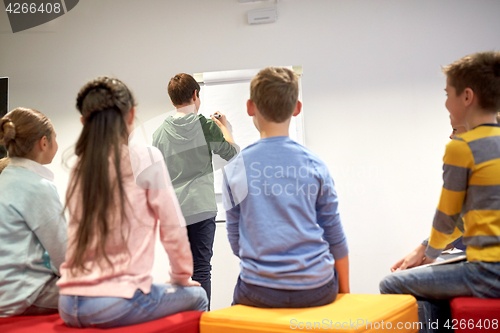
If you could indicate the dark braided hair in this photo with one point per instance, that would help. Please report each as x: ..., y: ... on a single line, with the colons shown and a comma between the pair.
x: 104, y: 104
x: 102, y: 94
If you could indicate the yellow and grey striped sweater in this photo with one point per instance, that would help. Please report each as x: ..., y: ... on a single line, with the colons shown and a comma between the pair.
x: 471, y: 175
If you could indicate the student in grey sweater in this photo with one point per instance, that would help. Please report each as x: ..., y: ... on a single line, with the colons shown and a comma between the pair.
x: 187, y: 141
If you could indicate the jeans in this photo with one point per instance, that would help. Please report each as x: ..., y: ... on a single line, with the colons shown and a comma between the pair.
x: 434, y: 286
x: 262, y: 297
x: 201, y: 237
x: 107, y: 312
x: 46, y: 302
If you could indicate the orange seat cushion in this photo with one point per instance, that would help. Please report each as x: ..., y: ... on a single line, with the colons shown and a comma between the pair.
x: 349, y: 313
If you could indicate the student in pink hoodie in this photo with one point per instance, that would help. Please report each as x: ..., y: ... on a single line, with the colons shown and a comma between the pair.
x: 117, y: 197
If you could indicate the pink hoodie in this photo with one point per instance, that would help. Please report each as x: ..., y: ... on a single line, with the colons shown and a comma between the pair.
x: 149, y: 191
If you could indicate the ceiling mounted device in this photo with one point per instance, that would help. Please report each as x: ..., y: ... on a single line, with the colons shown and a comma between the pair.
x: 261, y: 16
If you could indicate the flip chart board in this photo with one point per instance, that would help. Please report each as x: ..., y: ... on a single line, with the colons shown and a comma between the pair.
x: 228, y: 92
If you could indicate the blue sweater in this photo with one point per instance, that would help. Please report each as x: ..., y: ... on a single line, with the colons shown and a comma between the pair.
x: 282, y: 216
x: 33, y: 234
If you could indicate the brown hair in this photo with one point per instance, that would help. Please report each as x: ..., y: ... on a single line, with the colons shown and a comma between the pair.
x: 181, y: 88
x: 481, y: 73
x: 275, y: 92
x: 21, y: 128
x: 103, y: 103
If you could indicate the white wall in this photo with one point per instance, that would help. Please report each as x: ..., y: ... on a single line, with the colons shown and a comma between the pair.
x: 372, y: 90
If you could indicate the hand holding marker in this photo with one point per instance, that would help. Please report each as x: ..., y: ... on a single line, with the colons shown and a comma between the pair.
x: 219, y: 119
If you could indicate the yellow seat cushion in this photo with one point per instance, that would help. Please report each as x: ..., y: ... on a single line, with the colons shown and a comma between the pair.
x: 349, y: 313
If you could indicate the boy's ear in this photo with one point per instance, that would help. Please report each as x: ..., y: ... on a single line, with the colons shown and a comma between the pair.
x: 195, y: 95
x: 298, y: 108
x: 81, y: 120
x: 468, y: 96
x: 250, y: 108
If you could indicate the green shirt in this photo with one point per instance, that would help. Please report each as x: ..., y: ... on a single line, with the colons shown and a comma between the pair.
x: 187, y: 144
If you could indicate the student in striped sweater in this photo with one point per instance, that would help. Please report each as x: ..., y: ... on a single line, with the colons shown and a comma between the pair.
x: 471, y: 188
x: 417, y: 257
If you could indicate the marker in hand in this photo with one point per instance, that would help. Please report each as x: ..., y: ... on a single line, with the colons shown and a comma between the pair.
x: 219, y: 119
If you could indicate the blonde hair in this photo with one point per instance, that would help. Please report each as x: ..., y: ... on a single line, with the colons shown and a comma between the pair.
x: 21, y: 128
x: 3, y: 163
x: 479, y: 72
x: 275, y: 92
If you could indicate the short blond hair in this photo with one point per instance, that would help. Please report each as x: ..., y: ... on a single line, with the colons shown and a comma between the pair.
x: 275, y: 92
x: 479, y: 72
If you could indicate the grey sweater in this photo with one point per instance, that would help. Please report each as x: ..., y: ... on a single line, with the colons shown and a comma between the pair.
x: 187, y: 144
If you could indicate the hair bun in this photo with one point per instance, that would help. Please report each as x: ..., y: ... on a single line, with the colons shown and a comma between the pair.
x: 7, y: 131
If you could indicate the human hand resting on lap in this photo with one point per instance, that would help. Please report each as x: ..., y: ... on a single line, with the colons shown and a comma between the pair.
x: 414, y: 259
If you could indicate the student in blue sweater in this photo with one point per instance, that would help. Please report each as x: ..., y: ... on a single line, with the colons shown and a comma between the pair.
x: 32, y: 227
x: 282, y: 209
